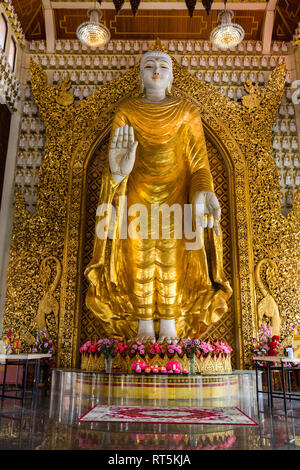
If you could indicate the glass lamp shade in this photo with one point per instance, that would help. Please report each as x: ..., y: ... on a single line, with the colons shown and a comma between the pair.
x: 227, y: 34
x: 92, y: 33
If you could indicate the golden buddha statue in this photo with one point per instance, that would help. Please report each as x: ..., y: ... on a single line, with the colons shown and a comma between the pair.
x: 143, y: 283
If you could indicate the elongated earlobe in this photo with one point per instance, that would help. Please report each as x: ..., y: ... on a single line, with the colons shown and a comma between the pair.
x: 142, y: 87
x: 169, y: 87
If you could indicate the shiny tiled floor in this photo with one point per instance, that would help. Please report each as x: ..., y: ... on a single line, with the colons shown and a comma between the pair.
x: 39, y: 428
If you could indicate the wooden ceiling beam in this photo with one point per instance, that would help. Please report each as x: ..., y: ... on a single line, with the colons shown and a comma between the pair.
x: 268, y: 26
x: 157, y: 5
x: 49, y: 26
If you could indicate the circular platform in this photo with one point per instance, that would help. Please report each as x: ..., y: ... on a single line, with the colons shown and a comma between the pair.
x: 74, y: 391
x: 140, y: 387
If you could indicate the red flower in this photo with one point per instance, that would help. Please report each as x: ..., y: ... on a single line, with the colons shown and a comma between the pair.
x: 272, y: 345
x: 272, y: 352
x: 93, y: 348
x: 276, y: 339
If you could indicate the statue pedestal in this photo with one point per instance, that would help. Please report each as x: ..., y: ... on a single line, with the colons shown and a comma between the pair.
x: 85, y: 389
x: 73, y: 392
x: 157, y: 388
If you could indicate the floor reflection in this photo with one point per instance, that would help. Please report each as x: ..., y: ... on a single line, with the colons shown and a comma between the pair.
x: 33, y: 428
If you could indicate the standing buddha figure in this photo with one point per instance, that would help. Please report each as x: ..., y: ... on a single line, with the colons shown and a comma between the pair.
x: 146, y: 281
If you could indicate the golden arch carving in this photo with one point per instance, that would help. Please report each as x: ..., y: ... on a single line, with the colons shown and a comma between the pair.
x: 242, y: 134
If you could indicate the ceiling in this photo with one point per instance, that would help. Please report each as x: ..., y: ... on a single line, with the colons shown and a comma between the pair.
x: 164, y: 19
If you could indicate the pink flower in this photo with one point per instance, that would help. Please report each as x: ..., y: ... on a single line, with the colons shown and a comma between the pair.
x: 85, y: 346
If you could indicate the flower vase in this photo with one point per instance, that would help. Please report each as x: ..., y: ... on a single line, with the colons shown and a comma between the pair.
x: 192, y: 365
x: 108, y: 364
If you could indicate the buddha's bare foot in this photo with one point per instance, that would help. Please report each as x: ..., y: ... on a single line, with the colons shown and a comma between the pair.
x: 146, y: 331
x: 167, y: 331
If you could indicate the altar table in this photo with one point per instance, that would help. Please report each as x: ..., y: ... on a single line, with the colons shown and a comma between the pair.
x: 22, y: 360
x: 280, y: 365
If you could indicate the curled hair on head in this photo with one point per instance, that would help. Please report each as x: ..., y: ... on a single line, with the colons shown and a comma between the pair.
x: 156, y: 53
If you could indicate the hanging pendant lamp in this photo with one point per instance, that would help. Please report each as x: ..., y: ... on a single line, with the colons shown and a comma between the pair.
x: 227, y: 34
x: 92, y: 33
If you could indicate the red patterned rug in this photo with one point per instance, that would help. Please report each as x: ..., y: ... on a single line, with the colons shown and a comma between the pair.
x: 168, y: 415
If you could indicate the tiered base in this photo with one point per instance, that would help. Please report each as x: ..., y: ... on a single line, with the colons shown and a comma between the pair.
x: 74, y: 392
x: 158, y: 388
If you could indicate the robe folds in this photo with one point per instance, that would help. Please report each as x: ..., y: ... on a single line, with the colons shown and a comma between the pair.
x: 154, y: 275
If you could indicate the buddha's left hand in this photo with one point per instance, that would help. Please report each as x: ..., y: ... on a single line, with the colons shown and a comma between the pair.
x: 207, y: 211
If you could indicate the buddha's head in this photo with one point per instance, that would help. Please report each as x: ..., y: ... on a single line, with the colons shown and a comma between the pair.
x: 156, y: 73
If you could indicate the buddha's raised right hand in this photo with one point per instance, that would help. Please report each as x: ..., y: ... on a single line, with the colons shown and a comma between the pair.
x: 122, y: 153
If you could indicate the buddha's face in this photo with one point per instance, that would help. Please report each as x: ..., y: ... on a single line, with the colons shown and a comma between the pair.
x: 156, y: 73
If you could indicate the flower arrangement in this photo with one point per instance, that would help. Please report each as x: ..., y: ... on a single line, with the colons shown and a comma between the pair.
x: 266, y: 344
x: 273, y: 345
x: 174, y: 348
x: 153, y: 358
x: 43, y: 344
x: 121, y: 349
x: 188, y: 347
x: 107, y: 346
x: 221, y: 347
x: 85, y: 348
x: 156, y: 348
x: 202, y: 348
x: 191, y: 347
x: 137, y: 348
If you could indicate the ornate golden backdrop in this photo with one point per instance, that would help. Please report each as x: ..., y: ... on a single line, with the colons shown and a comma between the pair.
x: 258, y: 230
x: 149, y: 23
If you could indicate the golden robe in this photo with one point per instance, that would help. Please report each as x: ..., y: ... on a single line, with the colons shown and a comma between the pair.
x: 154, y: 278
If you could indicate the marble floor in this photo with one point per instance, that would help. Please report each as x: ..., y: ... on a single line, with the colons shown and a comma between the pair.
x: 52, y: 425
